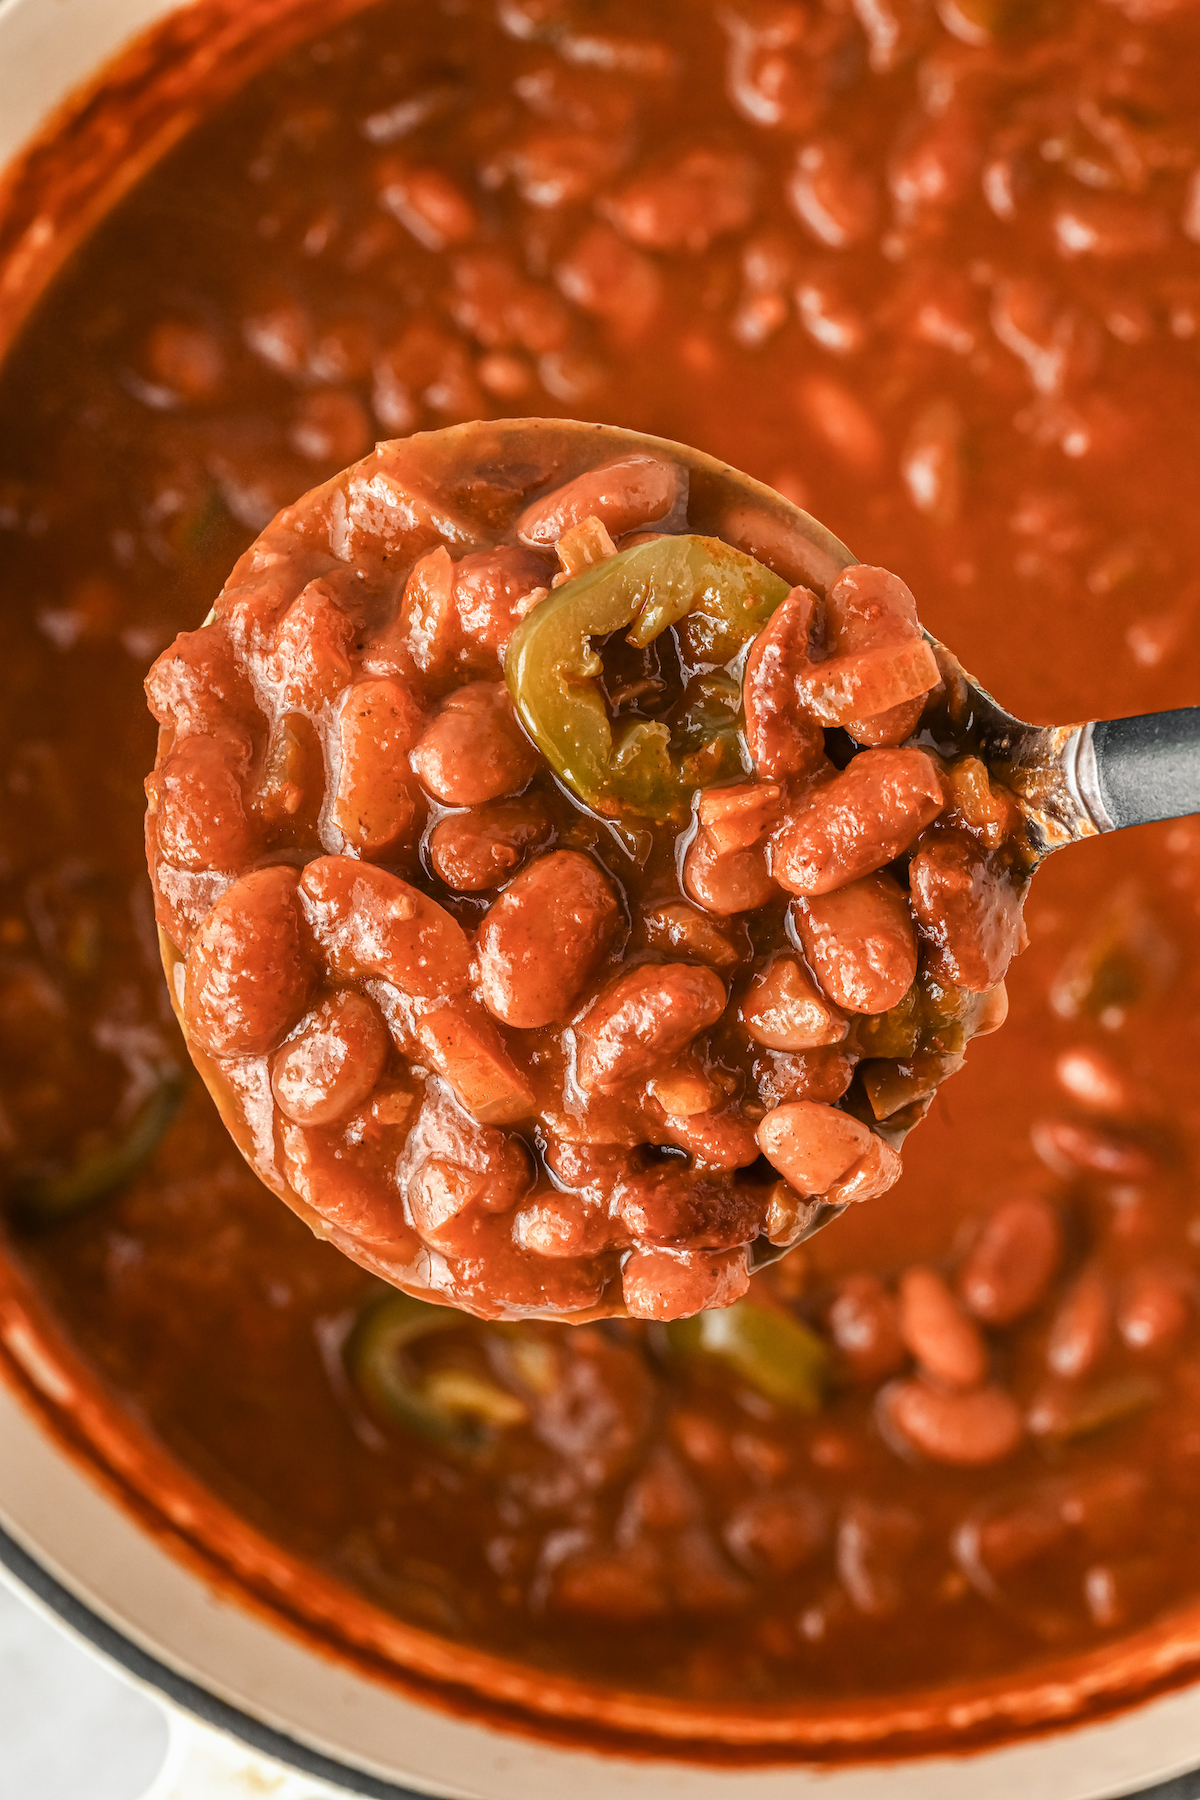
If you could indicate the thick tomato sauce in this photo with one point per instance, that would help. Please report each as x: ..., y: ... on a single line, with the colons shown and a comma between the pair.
x: 941, y: 286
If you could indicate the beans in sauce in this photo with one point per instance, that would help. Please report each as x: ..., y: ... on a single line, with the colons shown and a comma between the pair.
x: 945, y: 291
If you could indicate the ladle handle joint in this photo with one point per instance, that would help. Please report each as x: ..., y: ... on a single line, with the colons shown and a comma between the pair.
x: 1135, y: 771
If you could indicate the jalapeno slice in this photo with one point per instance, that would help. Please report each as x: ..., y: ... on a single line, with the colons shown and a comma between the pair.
x: 451, y: 1407
x: 44, y: 1200
x: 774, y: 1354
x: 720, y: 599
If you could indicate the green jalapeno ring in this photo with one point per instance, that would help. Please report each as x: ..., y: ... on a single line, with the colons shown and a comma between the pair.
x: 46, y: 1200
x: 771, y: 1352
x: 725, y: 596
x: 452, y: 1408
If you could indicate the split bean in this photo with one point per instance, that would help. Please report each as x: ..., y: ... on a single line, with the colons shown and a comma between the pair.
x: 785, y: 1010
x: 675, y: 1284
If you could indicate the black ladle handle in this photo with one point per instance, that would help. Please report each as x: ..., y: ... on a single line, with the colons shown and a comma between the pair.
x: 1135, y: 771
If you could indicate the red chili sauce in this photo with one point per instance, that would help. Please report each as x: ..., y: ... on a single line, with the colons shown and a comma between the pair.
x: 936, y: 276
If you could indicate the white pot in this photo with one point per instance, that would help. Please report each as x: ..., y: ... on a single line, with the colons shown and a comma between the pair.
x: 127, y: 1583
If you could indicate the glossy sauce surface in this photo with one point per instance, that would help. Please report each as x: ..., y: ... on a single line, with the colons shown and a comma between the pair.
x: 943, y: 291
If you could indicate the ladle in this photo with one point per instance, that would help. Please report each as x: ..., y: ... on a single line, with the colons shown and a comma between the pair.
x: 1070, y: 781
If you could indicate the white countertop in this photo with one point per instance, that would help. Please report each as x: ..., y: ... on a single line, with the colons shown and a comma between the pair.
x: 70, y: 1728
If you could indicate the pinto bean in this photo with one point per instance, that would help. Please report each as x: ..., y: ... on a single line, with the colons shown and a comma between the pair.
x: 879, y: 1170
x: 331, y: 1061
x: 199, y: 807
x: 857, y: 822
x: 866, y: 609
x: 864, y: 1322
x: 687, y: 203
x: 1153, y: 1308
x: 968, y: 909
x: 726, y: 882
x: 937, y: 1331
x: 644, y: 1019
x: 461, y: 1043
x: 1082, y: 1326
x: 456, y: 1171
x: 369, y: 922
x: 450, y: 1205
x: 543, y: 938
x: 473, y: 749
x: 490, y: 588
x: 626, y: 495
x: 834, y: 199
x: 782, y: 738
x: 725, y: 866
x: 830, y: 318
x: 358, y: 1196
x: 330, y: 427
x: 475, y: 850
x: 875, y: 1545
x: 561, y: 1225
x: 811, y: 1145
x: 685, y: 1089
x: 377, y: 800
x: 1070, y: 1147
x: 785, y: 1010
x: 679, y: 927
x: 1013, y: 1260
x: 291, y: 776
x: 674, y: 1284
x: 307, y: 665
x: 716, y: 1140
x: 428, y: 203
x: 593, y: 1170
x: 250, y: 969
x: 823, y: 1074
x: 609, y: 278
x: 424, y: 634
x: 670, y: 1204
x: 844, y: 425
x: 1095, y: 1080
x: 198, y: 685
x: 181, y: 899
x: 776, y: 1533
x: 966, y: 1430
x: 860, y: 943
